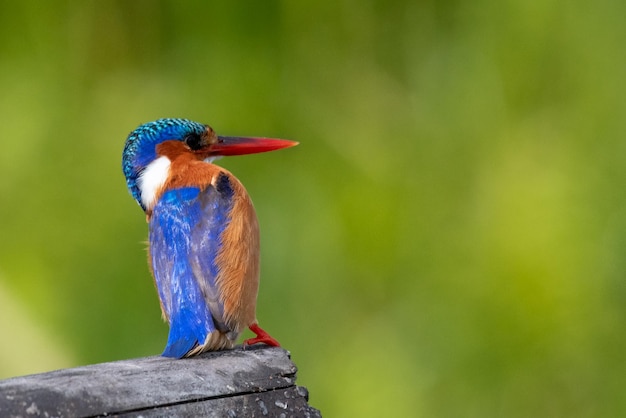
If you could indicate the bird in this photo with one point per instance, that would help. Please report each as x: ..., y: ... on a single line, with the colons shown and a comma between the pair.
x: 203, y: 232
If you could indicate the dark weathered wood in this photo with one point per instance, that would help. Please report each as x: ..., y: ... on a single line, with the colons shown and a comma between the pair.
x: 234, y: 383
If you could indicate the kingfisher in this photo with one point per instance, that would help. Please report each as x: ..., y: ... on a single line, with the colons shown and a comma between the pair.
x: 203, y: 240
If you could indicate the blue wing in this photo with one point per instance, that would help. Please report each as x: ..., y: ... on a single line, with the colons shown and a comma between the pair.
x: 185, y: 230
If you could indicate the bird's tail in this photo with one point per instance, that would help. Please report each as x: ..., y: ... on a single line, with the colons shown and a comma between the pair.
x: 187, y: 330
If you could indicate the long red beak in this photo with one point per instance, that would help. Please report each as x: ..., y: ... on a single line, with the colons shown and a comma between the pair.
x: 236, y: 145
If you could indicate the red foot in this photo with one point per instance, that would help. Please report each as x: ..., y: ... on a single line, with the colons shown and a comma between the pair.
x: 261, y: 337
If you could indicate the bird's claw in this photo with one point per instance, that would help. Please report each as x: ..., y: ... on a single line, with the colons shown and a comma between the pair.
x: 261, y: 337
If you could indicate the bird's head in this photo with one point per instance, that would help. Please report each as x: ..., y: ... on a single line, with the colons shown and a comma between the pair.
x: 141, y: 155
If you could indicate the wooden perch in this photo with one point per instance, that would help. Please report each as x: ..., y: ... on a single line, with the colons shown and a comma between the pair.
x: 256, y: 382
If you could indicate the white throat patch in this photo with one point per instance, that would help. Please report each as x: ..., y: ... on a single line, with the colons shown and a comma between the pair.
x: 152, y: 179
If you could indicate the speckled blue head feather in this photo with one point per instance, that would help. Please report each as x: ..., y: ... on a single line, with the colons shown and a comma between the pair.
x: 140, y: 147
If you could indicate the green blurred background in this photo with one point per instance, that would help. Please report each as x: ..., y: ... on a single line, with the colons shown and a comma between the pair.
x: 448, y: 240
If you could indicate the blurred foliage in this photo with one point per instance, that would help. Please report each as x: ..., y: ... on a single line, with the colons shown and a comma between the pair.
x: 449, y: 239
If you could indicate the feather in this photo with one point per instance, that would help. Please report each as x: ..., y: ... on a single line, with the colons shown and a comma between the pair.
x: 188, y: 306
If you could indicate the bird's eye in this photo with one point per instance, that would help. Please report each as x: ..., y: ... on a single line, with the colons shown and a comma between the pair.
x: 193, y: 141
